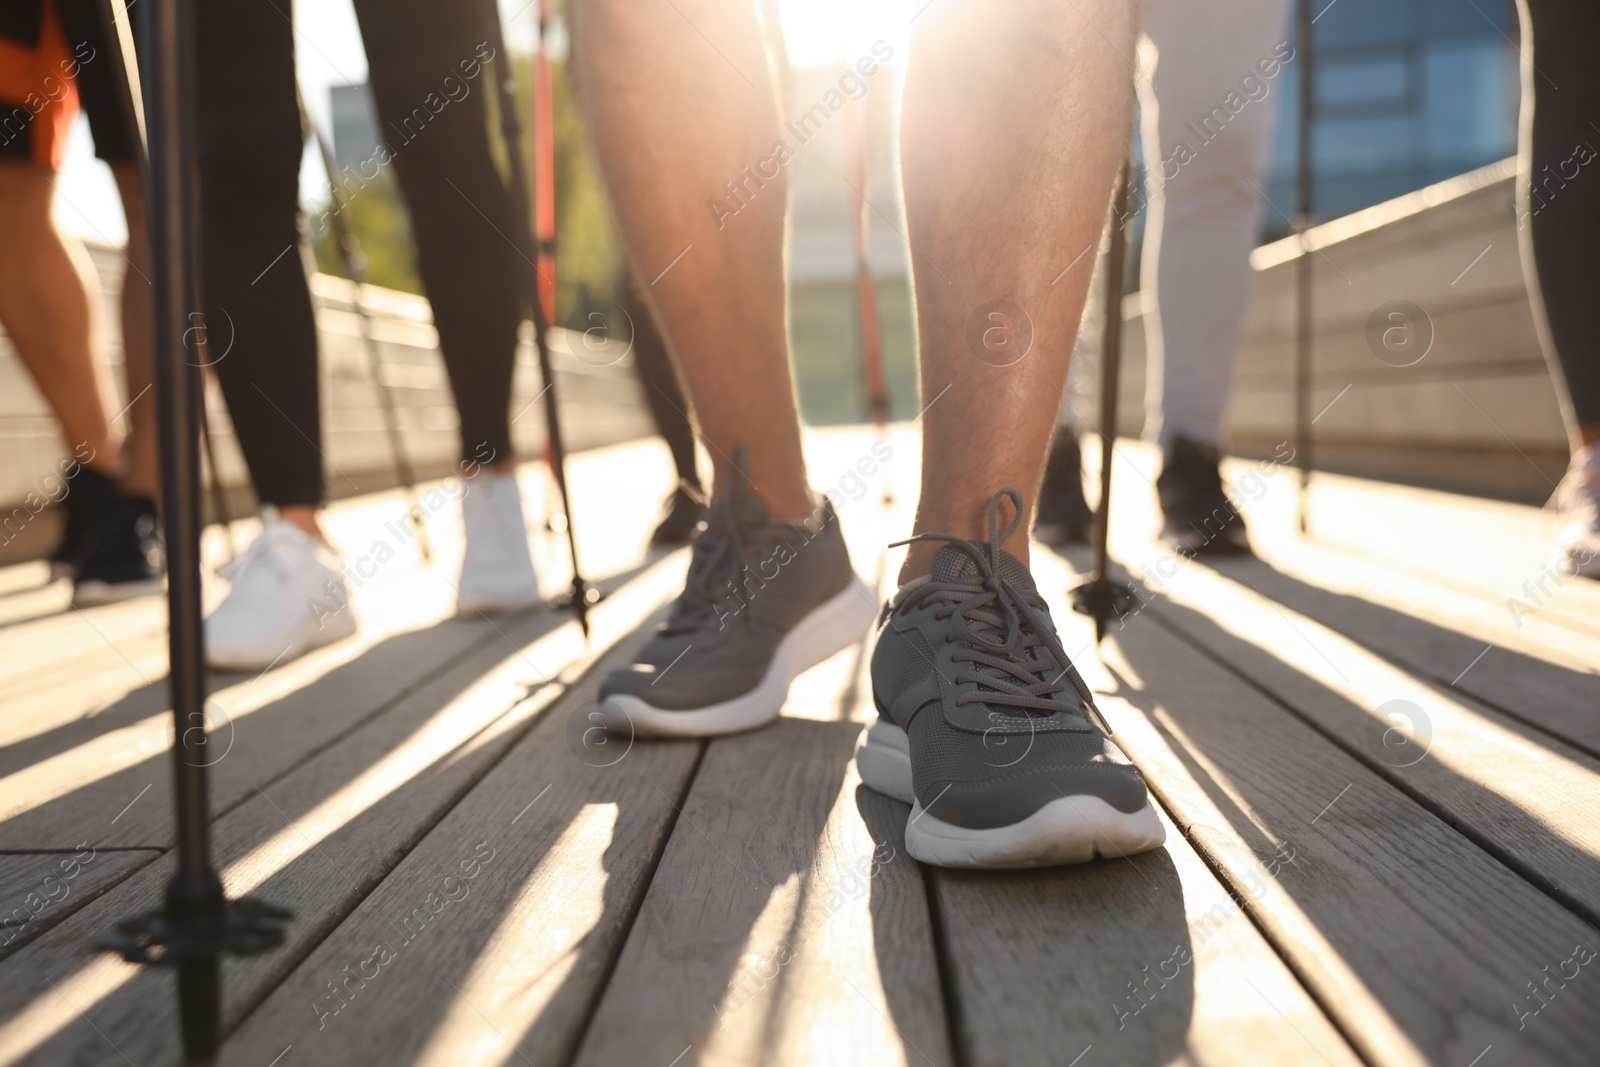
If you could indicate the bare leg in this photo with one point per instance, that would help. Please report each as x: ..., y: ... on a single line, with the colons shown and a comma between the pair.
x: 1016, y: 117
x: 305, y: 517
x: 137, y: 339
x: 681, y: 100
x: 44, y: 307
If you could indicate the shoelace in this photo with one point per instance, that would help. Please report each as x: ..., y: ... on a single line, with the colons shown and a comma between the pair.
x: 718, y: 561
x: 1001, y: 628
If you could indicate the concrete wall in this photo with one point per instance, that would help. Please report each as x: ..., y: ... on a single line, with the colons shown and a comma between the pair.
x: 600, y: 396
x: 1476, y: 413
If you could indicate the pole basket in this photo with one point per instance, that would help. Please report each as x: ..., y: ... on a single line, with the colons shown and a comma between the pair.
x: 246, y: 927
x: 1104, y: 599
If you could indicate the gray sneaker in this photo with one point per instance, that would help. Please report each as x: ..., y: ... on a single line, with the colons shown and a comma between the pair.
x: 764, y: 602
x: 987, y: 730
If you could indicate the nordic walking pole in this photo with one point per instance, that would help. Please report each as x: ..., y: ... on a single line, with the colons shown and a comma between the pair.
x: 866, y: 288
x: 197, y: 923
x: 354, y: 266
x: 544, y: 207
x: 1101, y: 597
x: 120, y: 35
x: 541, y: 284
x: 1302, y: 264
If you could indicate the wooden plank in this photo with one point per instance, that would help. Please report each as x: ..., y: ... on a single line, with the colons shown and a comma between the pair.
x: 1411, y: 623
x: 65, y: 780
x: 319, y: 840
x: 1416, y: 942
x: 277, y: 721
x: 1541, y: 671
x: 27, y: 594
x: 1143, y: 960
x: 1525, y: 797
x: 546, y: 940
x: 1530, y: 627
x: 37, y: 653
x: 1487, y: 546
x: 786, y: 924
x: 93, y: 656
x: 1455, y: 559
x: 74, y: 665
x: 40, y: 889
x: 23, y: 578
x: 562, y: 840
x: 70, y: 713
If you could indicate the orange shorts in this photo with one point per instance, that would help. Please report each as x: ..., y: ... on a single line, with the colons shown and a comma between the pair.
x: 38, y: 86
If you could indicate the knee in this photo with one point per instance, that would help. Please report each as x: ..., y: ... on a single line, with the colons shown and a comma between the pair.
x: 26, y: 192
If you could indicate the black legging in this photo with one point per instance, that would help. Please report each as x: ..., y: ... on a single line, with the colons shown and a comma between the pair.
x: 419, y: 53
x: 662, y: 389
x: 1558, y: 192
x: 261, y: 330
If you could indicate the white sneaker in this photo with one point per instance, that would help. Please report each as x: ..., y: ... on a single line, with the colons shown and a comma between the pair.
x: 496, y: 570
x: 1578, y: 498
x: 287, y: 597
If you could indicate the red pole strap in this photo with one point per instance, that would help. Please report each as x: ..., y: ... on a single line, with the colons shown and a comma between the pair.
x: 544, y: 199
x: 866, y: 290
x: 544, y: 168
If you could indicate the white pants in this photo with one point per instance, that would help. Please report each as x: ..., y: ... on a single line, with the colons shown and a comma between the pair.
x: 1211, y: 73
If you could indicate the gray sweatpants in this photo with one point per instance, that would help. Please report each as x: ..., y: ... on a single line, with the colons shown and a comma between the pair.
x: 1210, y: 76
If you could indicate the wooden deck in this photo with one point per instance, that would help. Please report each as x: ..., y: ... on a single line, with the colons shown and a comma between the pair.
x: 1380, y: 775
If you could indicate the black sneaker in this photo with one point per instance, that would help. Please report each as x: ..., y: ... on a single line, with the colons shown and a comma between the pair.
x: 88, y: 493
x: 125, y: 555
x: 1064, y: 516
x: 1196, y: 515
x: 986, y: 729
x: 684, y: 512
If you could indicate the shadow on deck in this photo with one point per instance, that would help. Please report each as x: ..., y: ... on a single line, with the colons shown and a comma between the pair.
x: 1379, y: 783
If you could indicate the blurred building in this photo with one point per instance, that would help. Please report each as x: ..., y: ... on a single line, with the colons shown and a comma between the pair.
x: 355, y: 124
x: 1407, y: 93
x: 1415, y: 126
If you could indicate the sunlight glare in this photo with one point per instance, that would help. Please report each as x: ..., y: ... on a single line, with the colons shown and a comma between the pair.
x: 822, y: 33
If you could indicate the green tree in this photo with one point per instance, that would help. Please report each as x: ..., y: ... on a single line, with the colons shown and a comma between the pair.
x: 375, y: 213
x: 588, y: 256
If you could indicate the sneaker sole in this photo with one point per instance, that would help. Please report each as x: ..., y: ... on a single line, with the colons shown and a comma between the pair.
x: 1070, y: 830
x: 833, y: 626
x: 469, y: 604
x: 325, y: 635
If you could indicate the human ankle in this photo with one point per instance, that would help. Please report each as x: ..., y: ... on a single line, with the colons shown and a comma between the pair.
x: 786, y: 506
x: 304, y: 518
x: 972, y: 524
